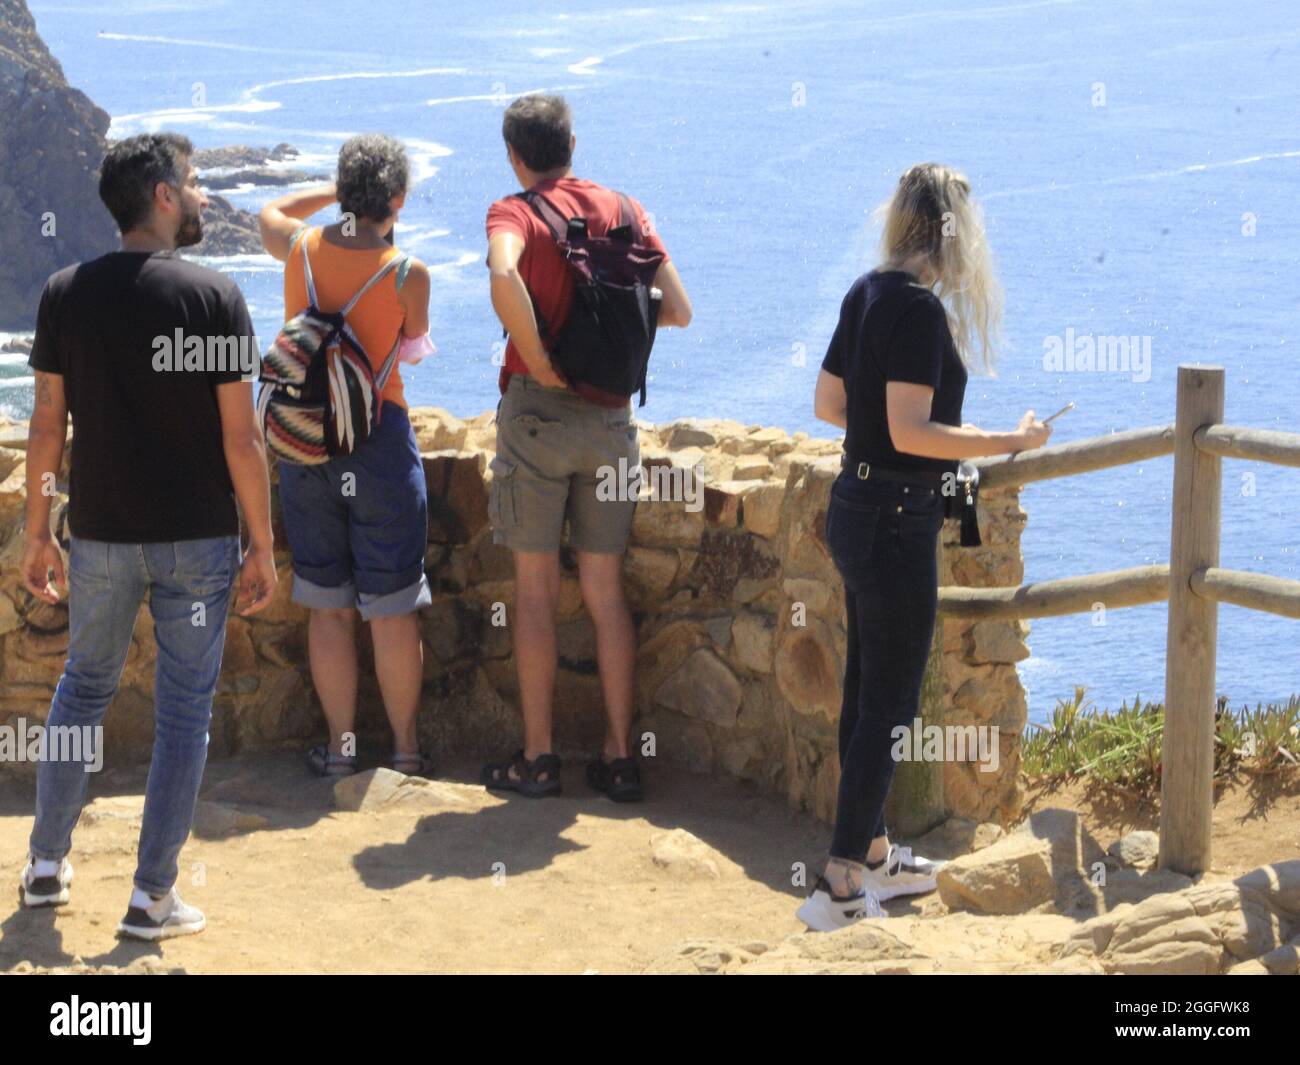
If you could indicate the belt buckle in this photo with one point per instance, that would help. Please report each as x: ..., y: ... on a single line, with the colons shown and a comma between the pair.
x: 864, y: 468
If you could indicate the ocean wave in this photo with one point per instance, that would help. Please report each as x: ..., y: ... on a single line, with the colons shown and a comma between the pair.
x: 1152, y: 175
x: 424, y: 72
x: 125, y: 125
x: 251, y: 262
x: 461, y: 261
x: 188, y: 42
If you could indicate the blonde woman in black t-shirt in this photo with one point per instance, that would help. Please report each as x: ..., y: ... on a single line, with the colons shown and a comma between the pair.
x: 894, y: 378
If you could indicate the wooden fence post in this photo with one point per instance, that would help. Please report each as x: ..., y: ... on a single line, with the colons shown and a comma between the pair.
x: 1187, y: 777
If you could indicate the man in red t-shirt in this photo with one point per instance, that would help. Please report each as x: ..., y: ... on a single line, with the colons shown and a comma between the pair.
x: 557, y: 452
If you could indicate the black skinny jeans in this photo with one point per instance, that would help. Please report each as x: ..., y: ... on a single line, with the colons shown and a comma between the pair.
x: 882, y: 536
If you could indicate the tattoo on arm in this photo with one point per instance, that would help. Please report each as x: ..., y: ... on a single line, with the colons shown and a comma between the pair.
x: 43, y: 397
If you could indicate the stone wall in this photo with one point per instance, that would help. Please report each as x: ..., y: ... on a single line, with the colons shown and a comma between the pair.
x: 738, y: 608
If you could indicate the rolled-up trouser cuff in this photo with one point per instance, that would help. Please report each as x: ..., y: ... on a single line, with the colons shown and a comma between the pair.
x: 323, y: 597
x: 394, y: 604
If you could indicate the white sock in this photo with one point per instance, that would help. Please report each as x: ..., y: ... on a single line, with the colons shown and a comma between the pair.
x: 41, y: 867
x: 142, y: 899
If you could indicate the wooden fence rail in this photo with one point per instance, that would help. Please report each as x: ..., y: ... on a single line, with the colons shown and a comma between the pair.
x: 1193, y: 583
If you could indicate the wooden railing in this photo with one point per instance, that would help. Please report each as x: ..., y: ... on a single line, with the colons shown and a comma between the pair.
x: 1193, y: 583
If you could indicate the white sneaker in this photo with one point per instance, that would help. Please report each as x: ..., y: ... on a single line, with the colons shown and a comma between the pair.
x: 45, y: 890
x: 164, y: 918
x: 823, y: 911
x: 901, y: 874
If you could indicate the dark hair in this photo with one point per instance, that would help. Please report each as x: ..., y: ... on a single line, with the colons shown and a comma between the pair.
x: 539, y: 128
x: 132, y: 169
x: 372, y: 170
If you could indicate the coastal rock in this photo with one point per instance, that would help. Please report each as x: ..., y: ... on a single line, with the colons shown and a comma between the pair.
x: 385, y: 787
x: 1137, y: 850
x: 52, y: 139
x: 235, y: 156
x: 1013, y: 875
x: 227, y: 230
x: 958, y: 836
x: 686, y: 857
x: 1248, y: 926
x: 705, y: 958
x: 214, y: 820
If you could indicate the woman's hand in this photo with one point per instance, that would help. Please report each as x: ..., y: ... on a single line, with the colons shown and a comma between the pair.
x: 1032, y: 432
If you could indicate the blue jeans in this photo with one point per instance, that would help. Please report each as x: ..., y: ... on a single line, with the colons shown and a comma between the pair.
x: 358, y: 526
x: 882, y: 536
x: 189, y: 584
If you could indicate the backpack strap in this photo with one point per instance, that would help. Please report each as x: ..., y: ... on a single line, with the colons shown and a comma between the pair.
x: 306, y: 265
x: 626, y: 216
x: 375, y: 278
x: 547, y: 212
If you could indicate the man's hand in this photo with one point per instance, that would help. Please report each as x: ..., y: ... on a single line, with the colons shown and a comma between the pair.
x: 546, y: 374
x: 42, y: 557
x: 257, y: 580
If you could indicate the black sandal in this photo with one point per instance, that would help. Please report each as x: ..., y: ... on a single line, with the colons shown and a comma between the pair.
x: 417, y: 764
x: 324, y: 764
x: 496, y: 775
x: 619, y: 779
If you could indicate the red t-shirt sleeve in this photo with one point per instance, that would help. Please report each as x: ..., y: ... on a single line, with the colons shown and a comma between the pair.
x: 646, y: 227
x: 508, y: 215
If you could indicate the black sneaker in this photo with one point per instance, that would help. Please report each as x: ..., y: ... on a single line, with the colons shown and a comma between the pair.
x: 45, y: 890
x: 164, y: 918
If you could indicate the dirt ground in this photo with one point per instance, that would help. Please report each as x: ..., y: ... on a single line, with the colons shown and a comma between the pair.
x: 1256, y: 819
x: 476, y: 883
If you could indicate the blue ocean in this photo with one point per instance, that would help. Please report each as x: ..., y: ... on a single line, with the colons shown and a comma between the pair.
x: 1139, y: 166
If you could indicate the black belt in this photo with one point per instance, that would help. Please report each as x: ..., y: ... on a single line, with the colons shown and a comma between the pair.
x: 958, y: 503
x: 871, y: 471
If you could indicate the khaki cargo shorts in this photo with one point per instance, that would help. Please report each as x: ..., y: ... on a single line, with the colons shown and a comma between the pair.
x: 561, y: 457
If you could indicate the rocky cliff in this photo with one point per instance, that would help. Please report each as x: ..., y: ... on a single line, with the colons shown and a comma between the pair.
x: 51, y: 143
x: 52, y: 139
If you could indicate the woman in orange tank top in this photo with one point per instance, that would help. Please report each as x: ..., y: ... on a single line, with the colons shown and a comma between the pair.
x: 357, y: 526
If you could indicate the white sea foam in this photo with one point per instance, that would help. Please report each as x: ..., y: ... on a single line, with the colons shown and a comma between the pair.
x: 1152, y: 175
x: 125, y: 125
x: 462, y: 260
x: 243, y: 261
x: 360, y: 75
x: 188, y: 42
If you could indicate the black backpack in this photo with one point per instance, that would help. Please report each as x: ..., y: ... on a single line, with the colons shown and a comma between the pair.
x: 603, y: 347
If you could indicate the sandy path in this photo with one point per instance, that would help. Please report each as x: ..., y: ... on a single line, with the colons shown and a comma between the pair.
x: 413, y: 890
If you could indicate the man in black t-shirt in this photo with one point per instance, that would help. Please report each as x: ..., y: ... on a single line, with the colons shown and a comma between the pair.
x: 148, y: 354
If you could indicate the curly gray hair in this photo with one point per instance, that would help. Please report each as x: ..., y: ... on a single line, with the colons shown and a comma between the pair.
x: 372, y: 170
